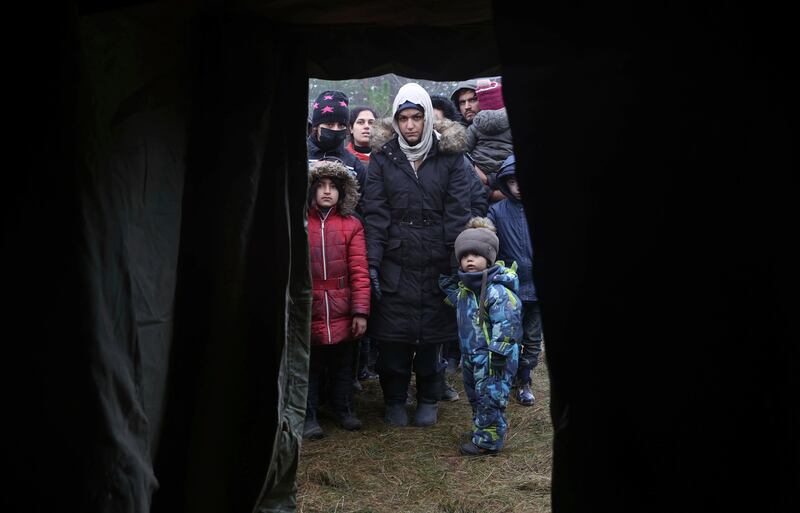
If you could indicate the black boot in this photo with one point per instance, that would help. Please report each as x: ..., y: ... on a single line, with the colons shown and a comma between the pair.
x: 449, y: 393
x: 396, y: 415
x: 470, y: 449
x: 426, y: 414
x: 348, y: 420
x: 452, y: 365
x: 311, y: 428
x: 346, y: 416
x: 344, y: 408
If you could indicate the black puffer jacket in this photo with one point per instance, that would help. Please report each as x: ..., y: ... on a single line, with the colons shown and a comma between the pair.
x: 489, y: 139
x: 355, y: 166
x: 412, y: 221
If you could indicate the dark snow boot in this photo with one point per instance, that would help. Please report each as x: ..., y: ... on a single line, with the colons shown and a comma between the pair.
x: 345, y: 413
x: 426, y: 414
x: 449, y: 393
x: 470, y: 449
x: 348, y: 420
x: 396, y: 415
x: 524, y: 395
x: 452, y: 365
x: 311, y: 429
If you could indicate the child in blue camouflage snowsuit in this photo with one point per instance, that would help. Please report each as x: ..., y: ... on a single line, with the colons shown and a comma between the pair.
x: 489, y: 317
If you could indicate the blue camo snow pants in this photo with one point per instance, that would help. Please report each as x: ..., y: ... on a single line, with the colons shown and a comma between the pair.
x: 488, y: 396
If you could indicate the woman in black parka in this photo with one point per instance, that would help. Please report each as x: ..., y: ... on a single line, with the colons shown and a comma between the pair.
x: 416, y: 202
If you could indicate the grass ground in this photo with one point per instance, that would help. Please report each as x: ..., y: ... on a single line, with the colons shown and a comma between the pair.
x: 416, y: 470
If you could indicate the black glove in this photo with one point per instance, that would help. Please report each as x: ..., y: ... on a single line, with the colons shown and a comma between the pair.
x: 497, y: 364
x: 375, y: 283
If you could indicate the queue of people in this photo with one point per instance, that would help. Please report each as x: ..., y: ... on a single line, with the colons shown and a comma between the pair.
x: 421, y: 262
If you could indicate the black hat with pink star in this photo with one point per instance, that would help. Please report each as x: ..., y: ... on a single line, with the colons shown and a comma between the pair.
x: 330, y: 107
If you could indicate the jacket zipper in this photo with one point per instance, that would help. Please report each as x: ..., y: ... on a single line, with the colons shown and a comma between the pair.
x: 325, y: 277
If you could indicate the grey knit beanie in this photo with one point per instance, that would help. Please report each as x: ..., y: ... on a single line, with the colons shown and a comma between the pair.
x: 478, y: 238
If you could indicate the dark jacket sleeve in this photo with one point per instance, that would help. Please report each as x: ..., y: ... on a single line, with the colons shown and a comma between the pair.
x: 376, y: 213
x: 449, y: 286
x: 479, y: 197
x: 361, y: 174
x: 457, y: 202
x: 361, y: 178
x: 472, y: 137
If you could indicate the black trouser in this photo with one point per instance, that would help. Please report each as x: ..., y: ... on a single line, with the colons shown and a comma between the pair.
x: 366, y: 354
x: 372, y: 359
x: 453, y: 350
x: 395, y: 362
x: 531, y: 341
x: 331, y: 366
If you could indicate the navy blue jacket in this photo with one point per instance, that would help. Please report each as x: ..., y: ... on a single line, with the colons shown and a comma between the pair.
x: 508, y: 217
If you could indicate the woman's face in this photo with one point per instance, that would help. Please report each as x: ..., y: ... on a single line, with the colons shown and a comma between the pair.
x: 362, y: 127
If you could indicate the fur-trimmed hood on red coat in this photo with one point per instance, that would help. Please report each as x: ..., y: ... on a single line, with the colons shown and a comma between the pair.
x: 348, y: 196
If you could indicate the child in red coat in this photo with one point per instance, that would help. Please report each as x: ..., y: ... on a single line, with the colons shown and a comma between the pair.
x: 341, y: 292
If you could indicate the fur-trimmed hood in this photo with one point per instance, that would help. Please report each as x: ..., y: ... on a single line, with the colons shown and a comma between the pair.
x: 348, y: 196
x: 453, y: 136
x: 491, y: 122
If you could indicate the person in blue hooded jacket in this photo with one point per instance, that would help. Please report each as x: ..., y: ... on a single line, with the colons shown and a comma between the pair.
x: 489, y: 316
x: 508, y: 217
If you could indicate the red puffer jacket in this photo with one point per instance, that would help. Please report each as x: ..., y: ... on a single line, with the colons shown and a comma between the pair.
x: 339, y: 273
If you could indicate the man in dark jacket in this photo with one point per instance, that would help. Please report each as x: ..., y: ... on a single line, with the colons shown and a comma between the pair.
x: 508, y: 217
x: 479, y: 193
x: 330, y: 116
x: 416, y: 202
x: 467, y: 99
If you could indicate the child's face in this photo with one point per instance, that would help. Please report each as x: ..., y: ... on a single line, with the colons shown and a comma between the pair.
x: 473, y: 263
x: 327, y: 193
x: 513, y: 186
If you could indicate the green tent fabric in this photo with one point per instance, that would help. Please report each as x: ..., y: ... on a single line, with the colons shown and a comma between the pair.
x: 185, y: 219
x: 156, y: 260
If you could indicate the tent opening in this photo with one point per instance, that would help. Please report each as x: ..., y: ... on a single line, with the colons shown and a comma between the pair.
x: 421, y: 458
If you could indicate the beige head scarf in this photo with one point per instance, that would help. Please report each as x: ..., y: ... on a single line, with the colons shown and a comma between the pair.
x: 414, y: 93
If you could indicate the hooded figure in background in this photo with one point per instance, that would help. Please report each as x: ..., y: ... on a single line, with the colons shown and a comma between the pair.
x: 465, y: 100
x: 330, y: 117
x: 416, y: 202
